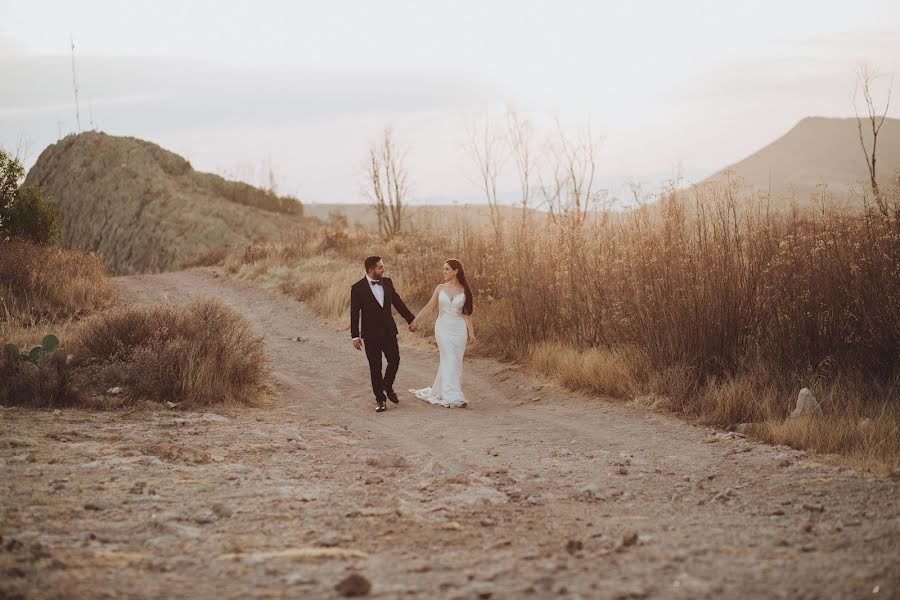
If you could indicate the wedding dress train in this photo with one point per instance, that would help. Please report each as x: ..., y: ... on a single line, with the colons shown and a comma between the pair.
x: 451, y: 335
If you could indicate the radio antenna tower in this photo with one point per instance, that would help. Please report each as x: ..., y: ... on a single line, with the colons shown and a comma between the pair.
x: 75, y: 86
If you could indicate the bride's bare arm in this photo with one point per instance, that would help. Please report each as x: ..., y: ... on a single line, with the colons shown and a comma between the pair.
x: 470, y: 328
x: 426, y: 310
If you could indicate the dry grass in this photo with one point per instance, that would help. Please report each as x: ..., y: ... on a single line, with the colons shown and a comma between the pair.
x: 40, y: 284
x: 602, y: 371
x: 202, y: 354
x: 708, y: 303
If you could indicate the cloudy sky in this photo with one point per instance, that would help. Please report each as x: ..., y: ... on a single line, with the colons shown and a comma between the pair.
x: 670, y: 87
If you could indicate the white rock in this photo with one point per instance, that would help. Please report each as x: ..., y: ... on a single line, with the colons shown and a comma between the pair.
x: 215, y: 418
x: 114, y: 391
x: 807, y: 406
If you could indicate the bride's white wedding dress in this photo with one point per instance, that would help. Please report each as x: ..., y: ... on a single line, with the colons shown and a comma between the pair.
x: 451, y: 335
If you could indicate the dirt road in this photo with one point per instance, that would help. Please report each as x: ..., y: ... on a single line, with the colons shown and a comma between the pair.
x: 531, y: 492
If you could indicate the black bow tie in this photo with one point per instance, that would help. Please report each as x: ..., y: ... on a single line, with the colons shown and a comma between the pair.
x: 376, y: 282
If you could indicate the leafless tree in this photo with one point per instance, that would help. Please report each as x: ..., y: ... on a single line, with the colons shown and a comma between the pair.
x: 865, y: 77
x: 519, y: 133
x: 387, y: 184
x: 569, y: 186
x: 488, y: 150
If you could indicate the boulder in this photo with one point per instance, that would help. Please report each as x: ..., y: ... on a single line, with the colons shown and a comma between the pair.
x: 807, y: 405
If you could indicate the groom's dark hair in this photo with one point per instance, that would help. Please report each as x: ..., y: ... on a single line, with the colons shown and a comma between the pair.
x: 370, y: 262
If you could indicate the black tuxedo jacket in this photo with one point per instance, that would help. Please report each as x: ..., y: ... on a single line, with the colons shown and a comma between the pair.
x: 377, y: 321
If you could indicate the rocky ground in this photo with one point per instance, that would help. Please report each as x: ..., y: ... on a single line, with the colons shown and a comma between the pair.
x: 530, y: 492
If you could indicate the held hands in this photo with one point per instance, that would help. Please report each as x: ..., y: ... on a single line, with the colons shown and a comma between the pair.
x: 414, y: 326
x: 357, y: 343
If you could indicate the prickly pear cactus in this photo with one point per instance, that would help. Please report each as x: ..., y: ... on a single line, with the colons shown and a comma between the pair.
x: 50, y: 343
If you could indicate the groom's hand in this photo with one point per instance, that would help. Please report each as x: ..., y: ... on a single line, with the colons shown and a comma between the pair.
x: 357, y: 343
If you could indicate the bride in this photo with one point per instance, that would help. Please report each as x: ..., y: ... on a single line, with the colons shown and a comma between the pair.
x: 452, y: 330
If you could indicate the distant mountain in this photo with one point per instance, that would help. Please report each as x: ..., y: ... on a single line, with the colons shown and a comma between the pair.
x: 818, y: 150
x: 142, y: 208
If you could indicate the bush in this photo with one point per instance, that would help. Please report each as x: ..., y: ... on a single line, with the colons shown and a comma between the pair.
x: 45, y: 382
x: 40, y: 283
x: 24, y: 212
x: 201, y: 354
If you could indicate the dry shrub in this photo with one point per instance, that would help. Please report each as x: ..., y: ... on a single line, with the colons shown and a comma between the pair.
x: 871, y: 444
x: 613, y: 373
x: 200, y: 354
x: 42, y: 284
x: 710, y: 301
x: 46, y: 384
x: 210, y: 257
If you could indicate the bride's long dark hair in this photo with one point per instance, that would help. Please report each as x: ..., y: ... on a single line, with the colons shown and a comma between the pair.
x: 469, y: 306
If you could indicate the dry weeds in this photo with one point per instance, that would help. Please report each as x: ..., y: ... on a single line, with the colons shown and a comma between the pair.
x: 709, y: 301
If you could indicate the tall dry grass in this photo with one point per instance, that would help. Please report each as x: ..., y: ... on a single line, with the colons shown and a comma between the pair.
x: 43, y: 284
x: 711, y: 301
x: 201, y: 354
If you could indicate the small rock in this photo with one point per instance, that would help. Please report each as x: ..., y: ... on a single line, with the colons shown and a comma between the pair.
x: 353, y: 585
x: 743, y: 427
x: 574, y: 546
x: 221, y: 510
x: 865, y: 423
x: 488, y: 522
x: 70, y: 358
x: 629, y: 539
x: 724, y: 496
x: 214, y: 418
x: 19, y: 441
x: 807, y: 406
x: 622, y: 471
x: 114, y: 391
x: 300, y: 579
x: 374, y: 480
x: 205, y: 516
x: 97, y: 505
x: 433, y: 468
x: 170, y: 404
x: 814, y: 508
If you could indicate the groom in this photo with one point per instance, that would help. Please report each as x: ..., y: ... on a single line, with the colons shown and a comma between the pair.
x: 373, y: 295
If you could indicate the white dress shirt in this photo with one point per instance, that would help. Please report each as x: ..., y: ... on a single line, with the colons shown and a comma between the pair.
x: 377, y: 290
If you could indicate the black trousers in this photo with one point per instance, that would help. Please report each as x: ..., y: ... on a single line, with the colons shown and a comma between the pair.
x: 375, y: 347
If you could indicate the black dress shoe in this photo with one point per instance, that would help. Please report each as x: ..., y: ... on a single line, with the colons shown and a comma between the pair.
x: 380, y: 406
x: 392, y: 396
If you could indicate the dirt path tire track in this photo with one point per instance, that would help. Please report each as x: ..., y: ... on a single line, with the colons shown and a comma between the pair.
x: 512, y: 497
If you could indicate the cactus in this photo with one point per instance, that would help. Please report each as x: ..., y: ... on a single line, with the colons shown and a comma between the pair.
x: 50, y: 343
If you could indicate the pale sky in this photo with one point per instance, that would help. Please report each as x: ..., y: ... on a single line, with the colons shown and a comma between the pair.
x: 670, y: 87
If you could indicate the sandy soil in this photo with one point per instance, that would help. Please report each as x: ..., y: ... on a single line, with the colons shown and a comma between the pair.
x: 531, y: 492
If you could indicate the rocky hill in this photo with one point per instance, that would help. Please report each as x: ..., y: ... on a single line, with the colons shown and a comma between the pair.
x: 818, y: 150
x: 144, y: 209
